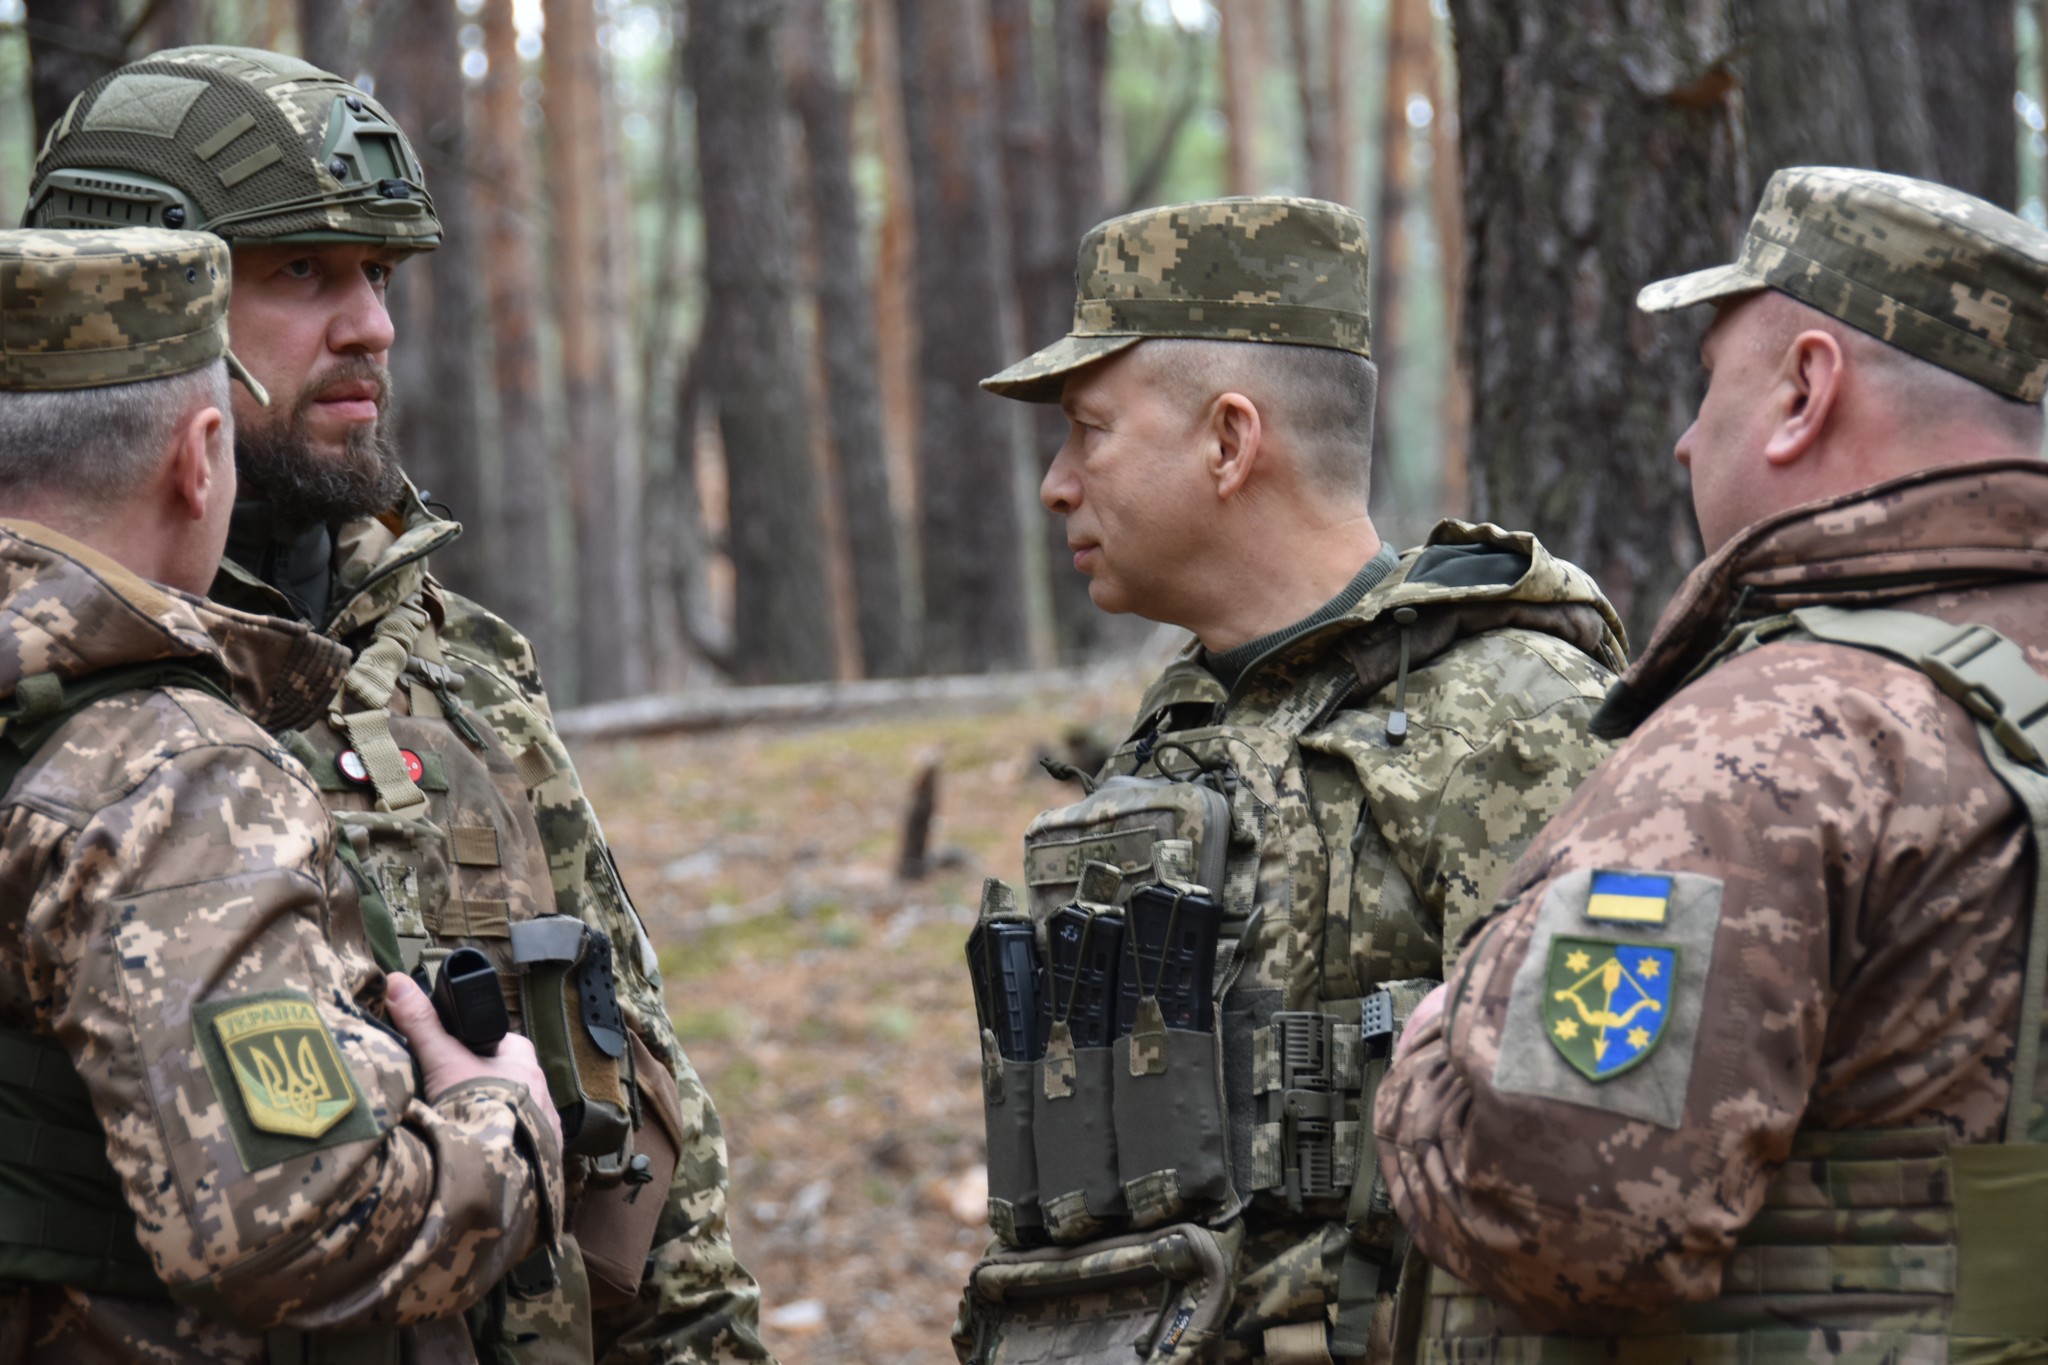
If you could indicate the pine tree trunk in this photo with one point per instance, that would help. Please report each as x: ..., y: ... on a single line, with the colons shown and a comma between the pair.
x: 1447, y: 214
x: 895, y: 309
x: 434, y: 297
x: 1337, y: 59
x: 71, y: 44
x: 969, y: 443
x: 1577, y: 397
x: 754, y: 367
x: 324, y: 37
x: 1319, y: 155
x: 1968, y: 51
x: 1239, y: 20
x: 846, y: 331
x: 574, y: 104
x: 1407, y: 33
x: 522, y: 555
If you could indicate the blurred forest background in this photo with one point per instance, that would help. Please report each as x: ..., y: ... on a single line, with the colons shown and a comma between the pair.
x: 696, y: 365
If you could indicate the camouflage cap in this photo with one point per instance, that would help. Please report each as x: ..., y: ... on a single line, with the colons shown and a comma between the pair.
x: 1267, y: 269
x: 82, y: 310
x: 253, y: 146
x: 1937, y: 273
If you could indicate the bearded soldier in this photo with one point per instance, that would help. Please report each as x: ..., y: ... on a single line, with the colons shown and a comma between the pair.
x: 212, y: 1150
x: 1748, y: 1064
x: 436, y: 751
x: 1223, y: 934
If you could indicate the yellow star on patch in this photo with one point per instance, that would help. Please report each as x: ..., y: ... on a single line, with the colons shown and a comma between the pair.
x: 1567, y: 1029
x: 1649, y: 968
x: 1639, y: 1038
x: 1576, y: 962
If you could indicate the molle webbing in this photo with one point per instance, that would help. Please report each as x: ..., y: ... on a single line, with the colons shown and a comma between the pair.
x: 63, y: 1218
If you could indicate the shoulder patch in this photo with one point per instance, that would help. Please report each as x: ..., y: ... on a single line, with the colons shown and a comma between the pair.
x: 280, y: 1076
x: 1605, y: 1003
x: 1605, y: 1009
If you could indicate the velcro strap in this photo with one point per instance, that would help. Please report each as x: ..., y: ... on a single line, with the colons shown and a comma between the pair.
x: 549, y: 939
x: 1298, y: 1343
x: 535, y: 765
x: 470, y: 919
x: 1897, y: 1269
x: 474, y: 845
x: 370, y: 734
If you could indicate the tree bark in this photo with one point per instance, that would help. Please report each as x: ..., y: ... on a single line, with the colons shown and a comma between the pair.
x: 583, y: 320
x: 1337, y: 61
x: 753, y: 372
x: 968, y: 442
x: 1969, y: 51
x: 1239, y: 21
x: 1577, y: 397
x: 522, y: 553
x: 1447, y: 213
x: 1407, y: 36
x: 434, y: 297
x: 1319, y: 154
x: 895, y: 311
x: 71, y: 44
x: 324, y: 34
x: 846, y: 332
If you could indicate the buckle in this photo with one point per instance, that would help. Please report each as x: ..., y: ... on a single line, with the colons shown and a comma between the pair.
x: 1306, y: 1106
x: 1376, y: 1025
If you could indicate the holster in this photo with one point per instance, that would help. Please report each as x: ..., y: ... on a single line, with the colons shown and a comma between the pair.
x: 571, y: 1009
x: 622, y: 1201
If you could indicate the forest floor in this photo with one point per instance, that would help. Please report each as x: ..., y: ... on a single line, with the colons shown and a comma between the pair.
x: 826, y: 1003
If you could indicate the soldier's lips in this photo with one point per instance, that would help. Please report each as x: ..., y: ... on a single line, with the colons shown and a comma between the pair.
x: 1084, y: 555
x: 349, y: 403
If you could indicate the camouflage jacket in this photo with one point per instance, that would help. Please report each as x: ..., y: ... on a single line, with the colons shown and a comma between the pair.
x: 172, y: 877
x: 697, y: 1303
x: 1836, y: 883
x: 1508, y: 655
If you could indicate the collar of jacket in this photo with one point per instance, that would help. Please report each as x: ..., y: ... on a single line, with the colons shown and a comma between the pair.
x: 71, y: 605
x: 380, y: 561
x: 1947, y: 527
x: 1551, y: 595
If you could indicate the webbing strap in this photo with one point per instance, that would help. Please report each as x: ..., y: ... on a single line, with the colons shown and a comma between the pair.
x: 1991, y: 677
x: 371, y: 679
x: 43, y: 702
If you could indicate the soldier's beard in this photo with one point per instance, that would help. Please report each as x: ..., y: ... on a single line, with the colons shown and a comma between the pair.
x: 276, y: 460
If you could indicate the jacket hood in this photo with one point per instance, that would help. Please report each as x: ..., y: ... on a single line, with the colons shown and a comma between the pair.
x: 1948, y: 527
x: 1464, y: 579
x: 72, y: 611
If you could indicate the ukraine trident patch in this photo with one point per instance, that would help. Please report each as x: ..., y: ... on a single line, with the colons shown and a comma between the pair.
x: 1605, y: 1003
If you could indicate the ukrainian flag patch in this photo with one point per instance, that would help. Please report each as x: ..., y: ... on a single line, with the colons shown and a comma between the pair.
x: 1605, y: 1004
x: 1630, y: 897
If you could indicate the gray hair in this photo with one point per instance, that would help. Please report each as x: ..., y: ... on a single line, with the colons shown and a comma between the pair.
x: 98, y: 446
x: 1321, y: 399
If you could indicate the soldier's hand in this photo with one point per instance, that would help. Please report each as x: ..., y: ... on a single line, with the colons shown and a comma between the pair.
x: 445, y: 1062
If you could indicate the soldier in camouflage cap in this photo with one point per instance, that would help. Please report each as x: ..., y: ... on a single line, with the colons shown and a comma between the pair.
x: 233, y: 1151
x: 1385, y: 730
x: 438, y: 748
x: 1747, y: 1064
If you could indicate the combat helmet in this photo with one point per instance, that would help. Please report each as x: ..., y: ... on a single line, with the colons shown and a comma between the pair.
x: 249, y: 145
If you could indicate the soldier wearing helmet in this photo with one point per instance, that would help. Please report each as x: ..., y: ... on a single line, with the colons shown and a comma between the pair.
x: 436, y: 751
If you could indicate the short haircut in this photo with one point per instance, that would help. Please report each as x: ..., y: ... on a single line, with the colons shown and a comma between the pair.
x: 95, y: 447
x: 1320, y: 398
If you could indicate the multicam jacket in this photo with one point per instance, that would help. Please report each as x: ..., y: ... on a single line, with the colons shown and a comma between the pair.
x: 171, y: 887
x: 696, y: 1302
x: 1495, y: 655
x: 1793, y: 902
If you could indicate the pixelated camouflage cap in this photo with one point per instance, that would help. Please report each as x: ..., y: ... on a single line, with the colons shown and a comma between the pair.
x: 1939, y: 274
x: 1270, y: 269
x: 82, y: 310
x: 253, y: 146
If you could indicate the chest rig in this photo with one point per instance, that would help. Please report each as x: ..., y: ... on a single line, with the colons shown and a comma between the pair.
x: 444, y: 841
x: 1881, y: 1245
x: 1224, y: 843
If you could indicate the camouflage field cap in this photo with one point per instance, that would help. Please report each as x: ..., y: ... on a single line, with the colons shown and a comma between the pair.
x: 81, y: 310
x: 253, y: 146
x: 1937, y: 273
x: 1256, y: 269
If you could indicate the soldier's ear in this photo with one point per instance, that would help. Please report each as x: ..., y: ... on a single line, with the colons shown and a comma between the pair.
x: 200, y: 470
x: 1809, y: 386
x: 1235, y: 441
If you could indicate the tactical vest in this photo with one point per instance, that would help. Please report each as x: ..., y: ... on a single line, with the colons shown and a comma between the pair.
x: 1118, y: 1166
x: 437, y: 815
x: 1893, y: 1245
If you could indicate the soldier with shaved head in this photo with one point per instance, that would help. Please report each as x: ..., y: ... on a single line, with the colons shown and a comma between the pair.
x: 1747, y: 1063
x: 1319, y: 794
x: 212, y: 1145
